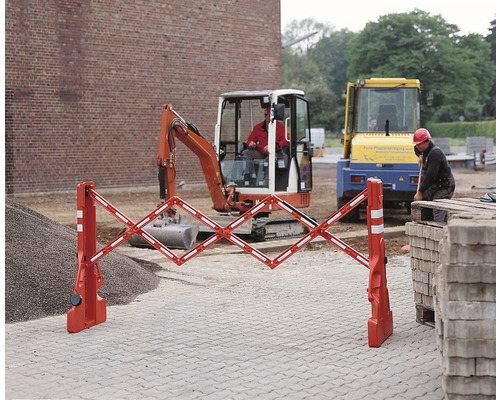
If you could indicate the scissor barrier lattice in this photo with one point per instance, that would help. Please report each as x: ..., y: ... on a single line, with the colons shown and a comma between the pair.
x: 89, y: 309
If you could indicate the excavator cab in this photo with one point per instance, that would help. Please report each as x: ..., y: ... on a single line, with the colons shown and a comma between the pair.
x: 287, y: 167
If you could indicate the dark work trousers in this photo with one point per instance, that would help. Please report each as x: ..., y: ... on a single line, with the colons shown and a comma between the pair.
x: 249, y: 155
x: 436, y: 193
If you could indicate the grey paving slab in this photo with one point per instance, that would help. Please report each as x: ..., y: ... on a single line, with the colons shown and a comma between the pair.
x: 227, y: 327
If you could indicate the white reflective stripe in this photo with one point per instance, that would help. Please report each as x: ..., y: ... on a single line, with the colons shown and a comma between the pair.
x: 208, y: 222
x: 142, y: 222
x: 356, y: 201
x: 96, y: 256
x: 285, y: 207
x: 258, y: 255
x: 335, y: 241
x: 160, y: 210
x: 147, y: 237
x: 166, y: 252
x: 258, y: 208
x: 101, y: 201
x: 239, y: 242
x: 336, y: 216
x: 304, y: 241
x: 189, y: 209
x: 376, y: 229
x: 362, y: 260
x: 79, y: 213
x: 190, y: 254
x: 307, y: 222
x: 284, y: 255
x: 121, y: 217
x: 210, y: 241
x: 237, y: 222
x: 116, y: 242
x: 79, y: 228
x: 377, y: 213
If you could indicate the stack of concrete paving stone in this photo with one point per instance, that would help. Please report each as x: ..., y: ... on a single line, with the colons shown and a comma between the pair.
x: 424, y: 237
x: 464, y: 303
x: 444, y: 143
x: 425, y: 258
x: 475, y: 144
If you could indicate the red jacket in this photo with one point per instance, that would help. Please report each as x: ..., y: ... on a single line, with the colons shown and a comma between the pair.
x: 259, y: 136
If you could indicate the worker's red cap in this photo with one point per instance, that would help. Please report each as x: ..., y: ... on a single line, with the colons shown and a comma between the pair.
x: 266, y: 111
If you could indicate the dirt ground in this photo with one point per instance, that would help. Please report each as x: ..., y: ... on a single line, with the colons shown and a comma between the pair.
x: 137, y: 203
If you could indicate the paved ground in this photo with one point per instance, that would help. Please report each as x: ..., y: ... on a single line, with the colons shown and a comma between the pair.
x: 224, y: 326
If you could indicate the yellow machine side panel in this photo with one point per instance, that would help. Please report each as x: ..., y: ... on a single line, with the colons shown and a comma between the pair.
x: 379, y: 148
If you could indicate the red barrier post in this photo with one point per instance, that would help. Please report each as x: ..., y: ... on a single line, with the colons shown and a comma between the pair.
x: 89, y: 308
x: 380, y: 325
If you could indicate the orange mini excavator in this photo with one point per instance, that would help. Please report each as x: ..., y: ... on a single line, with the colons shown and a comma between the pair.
x: 237, y: 182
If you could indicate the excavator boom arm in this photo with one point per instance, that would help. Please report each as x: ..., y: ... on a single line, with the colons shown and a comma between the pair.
x: 173, y: 127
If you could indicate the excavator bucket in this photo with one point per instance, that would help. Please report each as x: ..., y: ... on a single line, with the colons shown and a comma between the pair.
x: 170, y: 234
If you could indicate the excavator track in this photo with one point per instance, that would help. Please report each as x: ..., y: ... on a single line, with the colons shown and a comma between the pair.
x: 267, y: 229
x: 258, y: 229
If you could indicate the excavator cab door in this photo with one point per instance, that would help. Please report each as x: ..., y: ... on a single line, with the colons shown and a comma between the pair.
x: 298, y: 127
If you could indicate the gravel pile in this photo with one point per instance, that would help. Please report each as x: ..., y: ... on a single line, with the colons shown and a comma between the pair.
x: 41, y: 266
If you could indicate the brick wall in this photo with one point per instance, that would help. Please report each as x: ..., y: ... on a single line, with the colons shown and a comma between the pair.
x: 85, y: 82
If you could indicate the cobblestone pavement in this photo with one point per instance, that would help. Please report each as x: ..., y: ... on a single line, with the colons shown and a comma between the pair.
x: 224, y: 326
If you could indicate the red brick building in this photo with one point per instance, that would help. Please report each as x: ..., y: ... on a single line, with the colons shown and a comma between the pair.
x: 85, y: 82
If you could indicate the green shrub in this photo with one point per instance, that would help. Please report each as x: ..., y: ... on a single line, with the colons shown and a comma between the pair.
x: 463, y: 129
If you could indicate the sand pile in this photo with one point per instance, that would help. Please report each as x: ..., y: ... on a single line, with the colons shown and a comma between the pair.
x: 41, y: 265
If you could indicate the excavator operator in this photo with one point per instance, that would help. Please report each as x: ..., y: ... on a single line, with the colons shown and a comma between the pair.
x: 257, y: 142
x: 257, y: 147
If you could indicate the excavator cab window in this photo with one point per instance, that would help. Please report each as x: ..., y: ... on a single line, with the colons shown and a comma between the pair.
x: 238, y: 120
x: 228, y: 142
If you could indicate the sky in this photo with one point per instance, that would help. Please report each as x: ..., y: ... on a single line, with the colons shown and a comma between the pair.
x: 472, y: 16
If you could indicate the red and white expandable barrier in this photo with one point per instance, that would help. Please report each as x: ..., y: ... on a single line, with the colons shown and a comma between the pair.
x: 90, y: 309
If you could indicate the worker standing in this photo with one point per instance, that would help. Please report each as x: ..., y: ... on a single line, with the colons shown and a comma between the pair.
x: 437, y: 179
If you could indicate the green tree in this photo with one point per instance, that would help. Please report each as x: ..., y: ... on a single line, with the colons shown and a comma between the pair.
x: 473, y: 111
x: 323, y: 104
x: 300, y: 71
x: 446, y: 114
x: 299, y: 28
x: 492, y: 41
x: 318, y: 66
x: 297, y: 69
x: 456, y: 69
x: 329, y: 54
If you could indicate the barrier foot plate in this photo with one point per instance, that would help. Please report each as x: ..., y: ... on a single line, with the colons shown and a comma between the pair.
x: 379, y: 330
